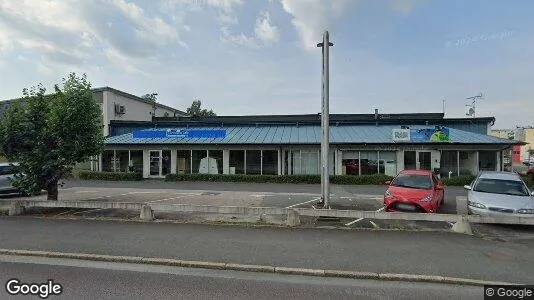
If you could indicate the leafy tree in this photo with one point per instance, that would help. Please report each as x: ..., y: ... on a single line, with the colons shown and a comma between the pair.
x: 151, y: 97
x: 195, y: 110
x: 48, y: 134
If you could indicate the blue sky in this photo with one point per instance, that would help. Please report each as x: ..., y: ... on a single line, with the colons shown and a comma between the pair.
x: 259, y: 56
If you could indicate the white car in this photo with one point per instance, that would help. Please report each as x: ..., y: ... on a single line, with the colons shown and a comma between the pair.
x: 500, y: 194
x: 7, y: 171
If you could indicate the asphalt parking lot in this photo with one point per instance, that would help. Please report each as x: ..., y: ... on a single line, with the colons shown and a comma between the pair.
x: 368, y: 198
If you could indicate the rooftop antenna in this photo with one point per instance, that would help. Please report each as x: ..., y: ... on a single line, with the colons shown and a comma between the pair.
x: 472, y: 107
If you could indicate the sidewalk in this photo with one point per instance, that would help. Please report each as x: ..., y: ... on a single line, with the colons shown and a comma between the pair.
x: 428, y: 253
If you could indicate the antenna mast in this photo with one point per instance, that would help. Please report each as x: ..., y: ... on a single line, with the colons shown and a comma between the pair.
x: 472, y: 106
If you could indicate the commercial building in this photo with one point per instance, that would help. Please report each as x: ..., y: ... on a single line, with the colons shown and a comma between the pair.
x: 520, y: 153
x: 290, y: 144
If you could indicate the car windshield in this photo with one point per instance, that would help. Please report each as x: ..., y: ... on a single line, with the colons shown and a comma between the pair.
x: 499, y: 186
x: 412, y: 181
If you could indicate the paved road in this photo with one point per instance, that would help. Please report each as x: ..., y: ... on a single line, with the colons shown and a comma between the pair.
x: 431, y: 253
x: 93, y: 280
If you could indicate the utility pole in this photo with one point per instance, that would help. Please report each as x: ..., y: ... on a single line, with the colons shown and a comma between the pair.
x: 443, y: 106
x: 325, y: 122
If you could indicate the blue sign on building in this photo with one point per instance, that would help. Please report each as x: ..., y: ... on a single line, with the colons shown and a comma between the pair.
x: 438, y: 134
x: 180, y: 133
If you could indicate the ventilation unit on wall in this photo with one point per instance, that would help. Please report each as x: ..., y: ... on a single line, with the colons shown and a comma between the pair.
x: 119, y: 109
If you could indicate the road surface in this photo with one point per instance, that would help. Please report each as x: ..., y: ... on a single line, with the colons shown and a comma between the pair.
x: 94, y: 280
x: 429, y: 253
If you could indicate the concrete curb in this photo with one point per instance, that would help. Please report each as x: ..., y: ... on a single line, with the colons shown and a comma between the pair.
x: 255, y: 268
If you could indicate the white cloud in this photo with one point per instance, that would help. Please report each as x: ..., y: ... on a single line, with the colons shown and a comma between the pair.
x: 238, y: 39
x: 265, y: 31
x: 312, y: 17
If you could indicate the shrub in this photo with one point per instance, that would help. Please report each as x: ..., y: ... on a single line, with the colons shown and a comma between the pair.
x: 302, y: 179
x: 111, y: 176
x: 459, y: 180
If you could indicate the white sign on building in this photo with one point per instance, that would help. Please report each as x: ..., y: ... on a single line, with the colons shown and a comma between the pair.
x: 401, y: 135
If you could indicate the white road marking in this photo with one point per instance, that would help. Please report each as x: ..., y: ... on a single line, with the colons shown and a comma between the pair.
x: 166, y: 199
x: 374, y: 224
x: 261, y: 195
x: 352, y: 222
x: 358, y: 220
x: 305, y: 202
x: 96, y: 191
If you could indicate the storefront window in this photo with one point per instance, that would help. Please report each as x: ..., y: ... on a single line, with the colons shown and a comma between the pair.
x: 309, y: 162
x: 369, y: 162
x: 270, y: 162
x: 237, y: 162
x: 183, y: 161
x: 254, y: 162
x: 108, y: 161
x: 449, y: 163
x: 387, y: 163
x: 122, y: 161
x: 198, y: 155
x: 487, y: 160
x: 350, y: 163
x: 468, y: 164
x: 165, y: 162
x: 215, y: 161
x: 137, y: 160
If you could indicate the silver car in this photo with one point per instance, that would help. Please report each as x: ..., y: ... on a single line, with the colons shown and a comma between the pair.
x: 500, y: 194
x: 7, y: 170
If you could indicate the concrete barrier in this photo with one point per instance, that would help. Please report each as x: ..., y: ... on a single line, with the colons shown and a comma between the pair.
x: 292, y: 214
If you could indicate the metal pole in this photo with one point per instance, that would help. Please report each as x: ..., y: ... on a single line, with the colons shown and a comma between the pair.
x: 325, y: 187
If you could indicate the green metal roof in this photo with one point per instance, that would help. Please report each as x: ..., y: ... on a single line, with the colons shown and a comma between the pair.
x: 292, y: 134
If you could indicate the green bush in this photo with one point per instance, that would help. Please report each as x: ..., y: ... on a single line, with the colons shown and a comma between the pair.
x: 110, y: 176
x: 459, y: 180
x: 303, y: 179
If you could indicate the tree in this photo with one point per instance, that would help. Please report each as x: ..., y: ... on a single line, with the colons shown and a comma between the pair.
x: 195, y: 110
x: 150, y: 97
x: 48, y: 134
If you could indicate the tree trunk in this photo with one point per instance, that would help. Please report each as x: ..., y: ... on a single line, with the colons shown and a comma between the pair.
x: 52, y: 191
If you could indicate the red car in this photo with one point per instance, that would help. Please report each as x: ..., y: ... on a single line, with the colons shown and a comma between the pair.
x: 414, y: 191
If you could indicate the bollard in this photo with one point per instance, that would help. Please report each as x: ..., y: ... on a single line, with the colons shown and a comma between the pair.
x: 462, y: 226
x: 146, y: 213
x: 16, y: 209
x: 293, y: 218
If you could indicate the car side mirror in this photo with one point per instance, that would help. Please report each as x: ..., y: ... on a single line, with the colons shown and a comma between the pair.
x: 440, y: 187
x: 467, y: 187
x: 387, y: 182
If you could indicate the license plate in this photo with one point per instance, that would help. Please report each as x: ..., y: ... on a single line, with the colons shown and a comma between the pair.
x: 405, y: 206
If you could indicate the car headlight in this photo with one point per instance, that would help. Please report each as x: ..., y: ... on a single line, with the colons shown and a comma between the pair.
x: 476, y: 204
x: 526, y: 211
x: 427, y: 198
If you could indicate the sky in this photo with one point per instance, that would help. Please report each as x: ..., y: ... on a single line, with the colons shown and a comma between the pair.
x: 253, y: 57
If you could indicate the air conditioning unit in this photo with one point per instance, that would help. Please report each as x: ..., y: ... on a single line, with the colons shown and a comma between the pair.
x: 120, y: 109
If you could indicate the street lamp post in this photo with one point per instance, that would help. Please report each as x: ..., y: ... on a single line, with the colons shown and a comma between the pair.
x: 325, y: 142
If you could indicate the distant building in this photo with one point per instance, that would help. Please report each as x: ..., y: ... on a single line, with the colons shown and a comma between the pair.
x: 521, y: 153
x: 119, y: 105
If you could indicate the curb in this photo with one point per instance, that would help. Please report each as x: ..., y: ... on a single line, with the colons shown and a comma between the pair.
x: 256, y: 268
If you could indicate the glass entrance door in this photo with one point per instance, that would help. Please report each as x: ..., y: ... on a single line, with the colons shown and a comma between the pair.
x: 155, y: 163
x: 410, y: 157
x: 424, y: 160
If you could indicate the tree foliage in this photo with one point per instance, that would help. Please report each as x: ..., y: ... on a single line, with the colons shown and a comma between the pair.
x: 48, y: 134
x: 153, y: 97
x: 195, y: 110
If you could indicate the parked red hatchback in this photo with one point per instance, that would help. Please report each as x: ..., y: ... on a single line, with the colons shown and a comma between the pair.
x: 414, y: 191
